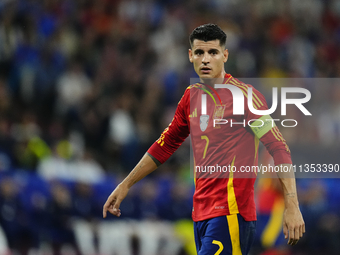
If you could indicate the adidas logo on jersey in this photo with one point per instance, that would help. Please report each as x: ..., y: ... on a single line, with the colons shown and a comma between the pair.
x: 193, y: 114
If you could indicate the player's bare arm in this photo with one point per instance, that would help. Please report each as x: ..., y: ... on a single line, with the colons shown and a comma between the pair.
x: 144, y: 167
x: 293, y: 224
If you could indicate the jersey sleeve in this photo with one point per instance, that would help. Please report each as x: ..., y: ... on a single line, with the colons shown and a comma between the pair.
x: 175, y: 134
x: 265, y: 129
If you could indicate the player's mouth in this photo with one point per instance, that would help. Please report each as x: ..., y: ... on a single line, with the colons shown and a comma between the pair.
x: 205, y: 70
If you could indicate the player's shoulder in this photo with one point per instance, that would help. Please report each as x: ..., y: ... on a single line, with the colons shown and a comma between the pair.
x: 186, y: 95
x: 195, y: 85
x: 242, y: 85
x: 190, y: 89
x: 238, y: 83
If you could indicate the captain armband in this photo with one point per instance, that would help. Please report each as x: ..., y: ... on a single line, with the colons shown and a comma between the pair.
x: 262, y: 125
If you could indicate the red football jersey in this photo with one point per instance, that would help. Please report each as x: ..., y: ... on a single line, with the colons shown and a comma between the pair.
x: 230, y: 145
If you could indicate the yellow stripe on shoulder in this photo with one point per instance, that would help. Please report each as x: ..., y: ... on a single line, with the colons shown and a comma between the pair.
x: 228, y: 80
x: 241, y: 85
x: 256, y: 105
x: 244, y: 88
x: 258, y: 99
x: 232, y: 82
x: 255, y: 97
x: 193, y: 86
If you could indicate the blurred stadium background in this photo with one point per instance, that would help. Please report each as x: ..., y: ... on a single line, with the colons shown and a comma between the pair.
x: 87, y: 86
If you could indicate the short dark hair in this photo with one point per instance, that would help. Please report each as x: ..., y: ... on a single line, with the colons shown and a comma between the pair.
x: 208, y: 32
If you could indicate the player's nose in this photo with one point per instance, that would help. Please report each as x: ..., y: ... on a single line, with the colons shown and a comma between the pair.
x: 206, y: 58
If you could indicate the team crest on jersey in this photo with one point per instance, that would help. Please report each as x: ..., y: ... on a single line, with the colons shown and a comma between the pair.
x: 219, y: 111
x: 204, y: 120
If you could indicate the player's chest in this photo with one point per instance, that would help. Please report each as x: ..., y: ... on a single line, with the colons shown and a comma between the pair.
x: 207, y: 116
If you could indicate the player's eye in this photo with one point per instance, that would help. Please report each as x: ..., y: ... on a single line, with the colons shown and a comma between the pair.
x: 198, y: 52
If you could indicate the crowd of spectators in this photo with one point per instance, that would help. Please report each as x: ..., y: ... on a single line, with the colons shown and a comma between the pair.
x: 87, y: 86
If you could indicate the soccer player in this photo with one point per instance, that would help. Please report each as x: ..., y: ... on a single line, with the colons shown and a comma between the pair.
x: 223, y: 207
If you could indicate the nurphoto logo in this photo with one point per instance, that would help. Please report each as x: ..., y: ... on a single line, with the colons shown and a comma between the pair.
x: 238, y: 106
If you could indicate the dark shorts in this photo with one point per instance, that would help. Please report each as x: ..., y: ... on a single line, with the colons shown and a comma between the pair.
x: 224, y: 235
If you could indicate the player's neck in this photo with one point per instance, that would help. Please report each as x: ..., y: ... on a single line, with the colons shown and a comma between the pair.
x: 213, y: 81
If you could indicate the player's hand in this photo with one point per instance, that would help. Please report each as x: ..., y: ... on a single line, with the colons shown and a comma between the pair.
x: 113, y: 201
x: 293, y: 225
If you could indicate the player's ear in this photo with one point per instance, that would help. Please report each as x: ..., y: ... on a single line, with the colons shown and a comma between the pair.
x: 225, y: 54
x: 190, y: 55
